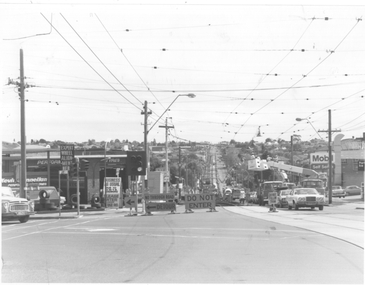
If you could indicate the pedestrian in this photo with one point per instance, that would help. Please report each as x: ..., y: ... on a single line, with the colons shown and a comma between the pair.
x: 248, y: 197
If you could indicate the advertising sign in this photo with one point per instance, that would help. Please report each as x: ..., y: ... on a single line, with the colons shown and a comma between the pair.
x: 67, y: 153
x: 113, y: 186
x: 320, y: 158
x: 35, y: 179
x: 199, y: 201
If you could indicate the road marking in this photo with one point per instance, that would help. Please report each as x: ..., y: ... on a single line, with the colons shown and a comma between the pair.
x: 45, y: 230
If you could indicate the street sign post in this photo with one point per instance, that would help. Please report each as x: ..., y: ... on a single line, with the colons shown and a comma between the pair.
x: 130, y: 201
x: 67, y: 154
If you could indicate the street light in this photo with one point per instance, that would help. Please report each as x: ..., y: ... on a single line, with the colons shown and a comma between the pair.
x: 301, y: 119
x: 190, y: 95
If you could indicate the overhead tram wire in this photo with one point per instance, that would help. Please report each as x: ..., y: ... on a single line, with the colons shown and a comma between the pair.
x: 212, y: 90
x: 101, y: 60
x: 90, y: 64
x: 325, y: 108
x: 304, y: 76
x: 274, y: 67
x: 121, y: 50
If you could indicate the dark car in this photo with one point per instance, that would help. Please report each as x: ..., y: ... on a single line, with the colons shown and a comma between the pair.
x: 353, y: 190
x: 44, y: 197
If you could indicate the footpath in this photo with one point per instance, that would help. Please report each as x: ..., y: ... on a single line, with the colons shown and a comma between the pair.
x: 346, y: 223
x: 344, y: 226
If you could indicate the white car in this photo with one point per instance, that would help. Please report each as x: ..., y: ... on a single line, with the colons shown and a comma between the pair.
x: 305, y: 198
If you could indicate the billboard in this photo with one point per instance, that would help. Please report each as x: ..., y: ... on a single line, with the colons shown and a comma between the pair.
x: 320, y: 157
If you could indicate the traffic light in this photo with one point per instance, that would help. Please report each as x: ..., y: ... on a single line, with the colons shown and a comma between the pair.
x: 136, y: 163
x: 74, y: 168
x: 84, y: 165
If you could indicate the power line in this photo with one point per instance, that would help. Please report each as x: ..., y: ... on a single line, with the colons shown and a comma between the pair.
x: 100, y: 60
x: 274, y: 67
x: 90, y: 64
x: 304, y: 76
x: 121, y: 50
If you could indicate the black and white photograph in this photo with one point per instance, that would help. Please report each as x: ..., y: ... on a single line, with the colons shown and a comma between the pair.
x: 182, y: 142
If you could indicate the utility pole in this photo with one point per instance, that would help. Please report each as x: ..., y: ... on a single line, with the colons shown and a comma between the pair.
x: 23, y: 165
x: 291, y: 157
x: 180, y: 180
x: 167, y: 172
x: 23, y: 176
x: 329, y: 131
x: 146, y: 113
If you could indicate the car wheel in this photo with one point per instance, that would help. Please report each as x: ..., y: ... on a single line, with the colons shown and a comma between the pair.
x: 289, y: 207
x: 296, y: 207
x: 320, y: 208
x: 24, y: 219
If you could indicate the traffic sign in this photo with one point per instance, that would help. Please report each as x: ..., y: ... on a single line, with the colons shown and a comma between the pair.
x: 157, y: 197
x: 158, y: 207
x: 130, y: 201
x: 272, y: 198
x: 199, y: 201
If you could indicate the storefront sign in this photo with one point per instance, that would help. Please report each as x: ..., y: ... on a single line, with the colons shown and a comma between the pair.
x: 320, y: 157
x: 36, y: 180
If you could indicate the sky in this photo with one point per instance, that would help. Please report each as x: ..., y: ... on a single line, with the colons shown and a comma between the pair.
x: 253, y: 66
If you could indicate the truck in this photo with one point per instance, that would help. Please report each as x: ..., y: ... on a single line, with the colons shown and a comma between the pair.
x: 269, y: 186
x: 316, y: 183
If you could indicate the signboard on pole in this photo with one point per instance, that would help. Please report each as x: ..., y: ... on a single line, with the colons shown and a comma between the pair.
x: 130, y: 201
x: 272, y: 198
x: 67, y: 153
x: 113, y: 186
x: 166, y: 176
x: 199, y: 201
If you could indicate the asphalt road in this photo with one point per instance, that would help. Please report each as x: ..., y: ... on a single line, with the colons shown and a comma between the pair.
x: 227, y: 246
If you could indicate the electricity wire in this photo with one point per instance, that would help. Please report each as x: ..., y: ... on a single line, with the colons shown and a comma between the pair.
x: 100, y: 60
x: 90, y: 64
x: 121, y: 50
x: 316, y: 66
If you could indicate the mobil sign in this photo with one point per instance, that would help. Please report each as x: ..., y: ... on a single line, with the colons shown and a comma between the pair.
x: 320, y: 158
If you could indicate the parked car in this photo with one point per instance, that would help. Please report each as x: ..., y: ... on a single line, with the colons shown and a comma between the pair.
x: 44, y: 197
x: 305, y: 198
x: 353, y: 190
x: 15, y: 208
x: 282, y: 198
x: 338, y: 191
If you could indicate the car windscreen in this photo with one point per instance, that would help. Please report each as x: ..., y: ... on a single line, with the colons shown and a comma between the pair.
x: 306, y: 191
x: 6, y: 192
